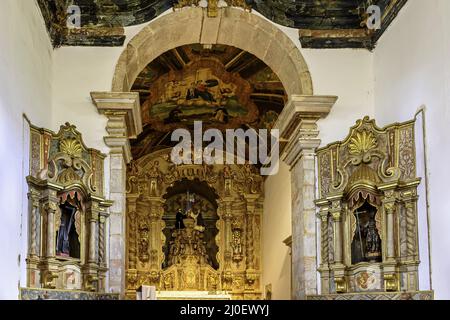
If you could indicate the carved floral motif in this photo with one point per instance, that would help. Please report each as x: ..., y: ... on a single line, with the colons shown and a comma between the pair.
x: 362, y: 142
x: 407, y: 162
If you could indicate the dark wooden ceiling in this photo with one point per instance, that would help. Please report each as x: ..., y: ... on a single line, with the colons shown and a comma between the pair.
x: 321, y: 23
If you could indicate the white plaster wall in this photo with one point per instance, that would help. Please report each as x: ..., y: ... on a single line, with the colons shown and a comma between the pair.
x: 25, y: 88
x: 276, y: 227
x: 348, y: 74
x: 77, y: 71
x: 412, y: 68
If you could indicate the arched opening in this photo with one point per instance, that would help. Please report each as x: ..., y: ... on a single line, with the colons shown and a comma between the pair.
x: 232, y: 27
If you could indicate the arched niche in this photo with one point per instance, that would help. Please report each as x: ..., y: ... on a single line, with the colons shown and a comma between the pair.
x: 203, y: 200
x: 233, y: 27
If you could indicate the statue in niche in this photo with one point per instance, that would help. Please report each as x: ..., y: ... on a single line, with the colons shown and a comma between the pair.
x: 199, y: 224
x: 187, y: 238
x: 373, y: 243
x: 179, y: 223
x: 67, y: 243
x: 366, y: 244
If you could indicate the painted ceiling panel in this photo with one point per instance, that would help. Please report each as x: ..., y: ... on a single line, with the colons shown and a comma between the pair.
x: 222, y: 86
x: 321, y: 23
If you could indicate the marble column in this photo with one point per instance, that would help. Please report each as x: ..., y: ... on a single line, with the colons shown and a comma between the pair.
x: 124, y: 123
x: 33, y: 198
x: 299, y: 141
x: 34, y: 238
x: 50, y: 208
x: 389, y: 209
x: 93, y: 218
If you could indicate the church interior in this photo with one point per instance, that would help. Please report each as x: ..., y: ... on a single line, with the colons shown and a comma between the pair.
x: 349, y: 200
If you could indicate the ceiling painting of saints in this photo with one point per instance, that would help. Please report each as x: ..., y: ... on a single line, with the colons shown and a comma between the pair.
x: 222, y: 86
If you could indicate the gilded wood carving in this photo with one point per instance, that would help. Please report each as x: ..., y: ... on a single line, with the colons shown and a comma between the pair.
x: 185, y: 264
x: 67, y: 211
x: 368, y: 185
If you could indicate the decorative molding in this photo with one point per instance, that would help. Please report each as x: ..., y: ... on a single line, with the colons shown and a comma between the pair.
x: 124, y: 119
x: 302, y: 107
x: 413, y: 295
x: 52, y: 294
x: 125, y: 104
x: 298, y: 124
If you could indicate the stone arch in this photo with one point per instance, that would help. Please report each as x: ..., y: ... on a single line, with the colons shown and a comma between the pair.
x: 233, y: 27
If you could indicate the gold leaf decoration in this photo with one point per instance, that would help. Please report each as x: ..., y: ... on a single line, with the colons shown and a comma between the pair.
x: 71, y: 147
x: 362, y: 142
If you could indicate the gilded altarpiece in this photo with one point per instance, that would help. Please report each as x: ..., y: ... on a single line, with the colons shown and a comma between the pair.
x: 368, y: 212
x: 67, y: 214
x: 181, y: 263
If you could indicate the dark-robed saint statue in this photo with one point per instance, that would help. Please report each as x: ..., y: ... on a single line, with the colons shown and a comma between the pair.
x: 366, y: 244
x: 67, y: 241
x: 179, y: 224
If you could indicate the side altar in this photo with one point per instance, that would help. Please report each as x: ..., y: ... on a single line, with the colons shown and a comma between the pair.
x: 369, y: 216
x: 68, y: 217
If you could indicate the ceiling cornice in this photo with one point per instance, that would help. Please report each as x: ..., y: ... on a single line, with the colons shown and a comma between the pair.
x: 321, y: 23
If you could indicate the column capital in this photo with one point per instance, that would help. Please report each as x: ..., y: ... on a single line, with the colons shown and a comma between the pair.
x: 303, y: 107
x: 124, y: 104
x: 124, y: 119
x: 298, y: 125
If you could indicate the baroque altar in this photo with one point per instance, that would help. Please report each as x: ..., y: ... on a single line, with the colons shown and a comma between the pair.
x: 368, y: 212
x: 68, y: 213
x: 193, y: 227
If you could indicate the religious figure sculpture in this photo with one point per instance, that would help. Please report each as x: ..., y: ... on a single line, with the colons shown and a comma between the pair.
x: 64, y: 247
x: 358, y: 246
x: 366, y: 244
x: 373, y: 243
x: 180, y: 216
x: 198, y: 220
x: 187, y: 242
